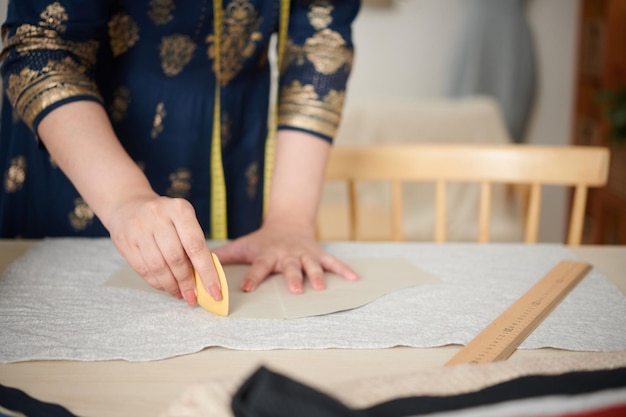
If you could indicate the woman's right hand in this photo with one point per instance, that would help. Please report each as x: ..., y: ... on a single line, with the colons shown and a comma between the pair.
x: 160, y: 237
x: 162, y: 240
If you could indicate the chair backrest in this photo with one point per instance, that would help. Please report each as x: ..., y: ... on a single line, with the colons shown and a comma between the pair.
x: 533, y: 165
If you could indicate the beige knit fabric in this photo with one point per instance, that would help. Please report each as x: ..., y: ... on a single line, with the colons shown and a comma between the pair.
x: 214, y: 398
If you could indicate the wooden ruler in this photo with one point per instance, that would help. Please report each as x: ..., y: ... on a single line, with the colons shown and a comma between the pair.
x: 500, y: 339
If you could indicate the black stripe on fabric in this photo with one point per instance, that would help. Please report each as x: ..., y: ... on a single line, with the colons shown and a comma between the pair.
x: 266, y: 393
x: 571, y: 383
x: 16, y: 400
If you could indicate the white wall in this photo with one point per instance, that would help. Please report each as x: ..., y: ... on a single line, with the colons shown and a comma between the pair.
x: 405, y: 50
x: 555, y: 26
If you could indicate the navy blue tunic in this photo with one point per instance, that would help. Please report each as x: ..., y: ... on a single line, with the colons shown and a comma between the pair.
x: 151, y: 65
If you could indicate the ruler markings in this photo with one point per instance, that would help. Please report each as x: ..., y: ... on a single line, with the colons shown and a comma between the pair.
x: 500, y: 338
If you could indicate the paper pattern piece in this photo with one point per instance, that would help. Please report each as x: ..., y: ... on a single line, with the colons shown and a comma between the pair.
x: 53, y: 306
x: 272, y: 300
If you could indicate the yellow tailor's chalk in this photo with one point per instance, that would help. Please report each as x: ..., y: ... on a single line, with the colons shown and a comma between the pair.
x: 205, y: 300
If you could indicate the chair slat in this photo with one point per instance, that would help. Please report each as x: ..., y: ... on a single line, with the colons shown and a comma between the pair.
x: 484, y: 212
x: 532, y: 219
x: 440, y: 211
x: 578, y: 166
x: 577, y: 216
x: 353, y: 209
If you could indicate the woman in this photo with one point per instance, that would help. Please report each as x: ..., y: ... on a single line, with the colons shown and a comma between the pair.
x: 107, y: 128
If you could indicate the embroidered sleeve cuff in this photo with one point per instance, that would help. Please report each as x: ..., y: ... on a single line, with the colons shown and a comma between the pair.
x: 42, y: 69
x: 31, y: 92
x: 302, y: 108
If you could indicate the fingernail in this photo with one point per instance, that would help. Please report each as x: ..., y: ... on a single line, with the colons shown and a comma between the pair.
x: 295, y: 289
x: 318, y: 285
x: 178, y: 295
x: 247, y: 286
x: 214, y: 290
x: 190, y: 297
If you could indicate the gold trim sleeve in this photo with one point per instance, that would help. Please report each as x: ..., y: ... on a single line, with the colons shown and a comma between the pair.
x: 301, y: 107
x: 316, y: 66
x: 35, y: 81
x: 32, y: 91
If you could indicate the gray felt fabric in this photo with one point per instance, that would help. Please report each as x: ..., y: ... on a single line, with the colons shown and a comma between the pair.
x: 52, y: 306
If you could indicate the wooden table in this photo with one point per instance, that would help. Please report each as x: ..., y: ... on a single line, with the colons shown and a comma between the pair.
x: 147, y: 388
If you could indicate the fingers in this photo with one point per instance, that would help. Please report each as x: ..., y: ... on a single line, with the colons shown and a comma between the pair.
x: 194, y: 246
x: 145, y: 258
x: 158, y: 267
x: 178, y: 265
x: 332, y: 264
x: 136, y: 261
x: 261, y: 268
x: 314, y: 272
x: 292, y: 269
x: 163, y: 241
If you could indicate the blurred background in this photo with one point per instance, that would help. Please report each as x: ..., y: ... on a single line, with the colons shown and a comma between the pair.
x: 527, y: 71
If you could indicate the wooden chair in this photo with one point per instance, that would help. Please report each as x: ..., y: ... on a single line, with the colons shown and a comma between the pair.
x: 535, y: 166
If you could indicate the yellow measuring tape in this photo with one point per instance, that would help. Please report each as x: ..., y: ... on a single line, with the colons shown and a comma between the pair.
x: 219, y: 221
x: 219, y: 229
x: 500, y: 339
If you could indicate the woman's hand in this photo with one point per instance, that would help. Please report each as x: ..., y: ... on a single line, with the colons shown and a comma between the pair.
x: 286, y: 243
x: 287, y: 248
x: 160, y: 237
x: 162, y: 240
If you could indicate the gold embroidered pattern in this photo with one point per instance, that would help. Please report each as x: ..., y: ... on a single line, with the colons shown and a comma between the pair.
x: 15, y: 175
x: 180, y: 183
x: 30, y: 38
x: 18, y: 82
x: 119, y: 107
x: 327, y: 51
x: 157, y: 124
x: 123, y: 32
x: 54, y: 16
x: 252, y: 174
x: 301, y: 106
x: 161, y: 11
x: 239, y: 38
x: 176, y: 52
x: 319, y: 14
x: 82, y: 216
x: 31, y: 91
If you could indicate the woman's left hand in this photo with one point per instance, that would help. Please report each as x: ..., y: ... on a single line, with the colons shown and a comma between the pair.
x: 287, y: 248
